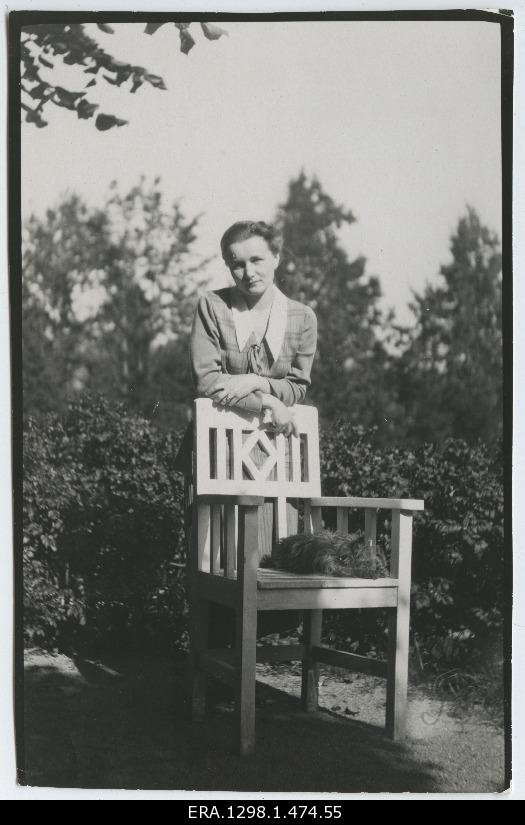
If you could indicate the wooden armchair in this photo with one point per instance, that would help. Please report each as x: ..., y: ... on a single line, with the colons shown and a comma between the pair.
x: 229, y: 491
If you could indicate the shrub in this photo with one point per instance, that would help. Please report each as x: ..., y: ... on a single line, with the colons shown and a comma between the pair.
x: 457, y: 593
x: 104, y: 553
x: 103, y: 530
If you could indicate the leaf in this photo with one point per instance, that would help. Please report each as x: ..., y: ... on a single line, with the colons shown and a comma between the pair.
x: 40, y: 91
x: 155, y: 80
x: 115, y: 81
x: 59, y: 47
x: 65, y: 100
x: 67, y: 95
x: 86, y: 110
x: 32, y: 116
x: 105, y: 122
x: 45, y: 62
x: 105, y: 28
x: 31, y: 73
x: 73, y: 57
x: 151, y: 28
x: 213, y: 32
x: 115, y: 65
x: 186, y: 41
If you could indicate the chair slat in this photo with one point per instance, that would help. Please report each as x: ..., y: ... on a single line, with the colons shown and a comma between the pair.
x: 215, y: 538
x: 203, y: 537
x: 371, y: 532
x: 307, y: 518
x: 342, y: 520
x: 267, y: 444
x: 220, y: 458
x: 271, y: 460
x: 312, y: 455
x: 316, y: 519
x: 254, y: 471
x: 280, y: 446
x: 231, y: 537
x: 236, y: 457
x: 305, y: 457
x: 250, y: 443
x: 281, y: 518
x: 295, y: 450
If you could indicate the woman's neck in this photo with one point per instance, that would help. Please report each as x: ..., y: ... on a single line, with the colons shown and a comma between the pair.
x: 262, y: 302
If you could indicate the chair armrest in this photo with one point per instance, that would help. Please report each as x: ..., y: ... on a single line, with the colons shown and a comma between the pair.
x: 218, y: 498
x: 379, y: 503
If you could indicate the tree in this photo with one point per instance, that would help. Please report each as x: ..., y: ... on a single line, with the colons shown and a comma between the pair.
x: 63, y: 255
x: 45, y: 48
x: 104, y: 292
x: 450, y: 372
x: 152, y: 277
x: 349, y: 368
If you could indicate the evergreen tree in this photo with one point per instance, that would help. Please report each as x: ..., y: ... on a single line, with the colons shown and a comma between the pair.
x: 450, y: 373
x: 349, y: 372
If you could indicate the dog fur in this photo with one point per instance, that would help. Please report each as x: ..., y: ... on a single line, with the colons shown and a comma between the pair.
x: 327, y: 553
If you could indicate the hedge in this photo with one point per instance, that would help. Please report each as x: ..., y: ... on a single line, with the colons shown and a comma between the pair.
x: 457, y: 568
x: 104, y: 556
x: 103, y: 530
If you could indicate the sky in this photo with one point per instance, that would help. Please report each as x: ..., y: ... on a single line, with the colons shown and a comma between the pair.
x: 400, y: 121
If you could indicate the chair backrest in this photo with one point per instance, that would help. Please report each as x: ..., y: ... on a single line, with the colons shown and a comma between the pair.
x: 236, y: 453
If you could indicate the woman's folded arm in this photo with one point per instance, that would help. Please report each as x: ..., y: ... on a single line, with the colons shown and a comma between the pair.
x: 292, y: 388
x: 205, y: 356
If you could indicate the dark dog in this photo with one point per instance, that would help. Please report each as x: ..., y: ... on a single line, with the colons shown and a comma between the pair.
x: 327, y: 553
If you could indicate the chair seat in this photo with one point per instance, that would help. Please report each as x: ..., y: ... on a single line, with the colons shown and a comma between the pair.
x: 270, y: 579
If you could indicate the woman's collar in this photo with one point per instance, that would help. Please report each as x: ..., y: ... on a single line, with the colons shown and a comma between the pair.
x: 275, y: 331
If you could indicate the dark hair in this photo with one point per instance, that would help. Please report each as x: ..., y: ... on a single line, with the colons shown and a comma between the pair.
x: 242, y: 230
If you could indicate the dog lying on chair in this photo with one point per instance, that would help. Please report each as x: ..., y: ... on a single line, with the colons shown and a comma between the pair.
x: 326, y: 553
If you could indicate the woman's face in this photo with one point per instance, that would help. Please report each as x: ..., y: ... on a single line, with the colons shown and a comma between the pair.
x: 252, y: 265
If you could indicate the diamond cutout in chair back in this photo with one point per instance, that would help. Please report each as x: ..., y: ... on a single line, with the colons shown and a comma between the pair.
x: 236, y: 453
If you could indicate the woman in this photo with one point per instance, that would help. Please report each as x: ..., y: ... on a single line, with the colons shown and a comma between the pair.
x: 251, y: 347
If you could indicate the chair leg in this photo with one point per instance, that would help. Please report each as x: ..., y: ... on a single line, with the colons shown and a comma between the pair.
x: 199, y: 616
x: 313, y: 620
x: 397, y: 671
x: 245, y: 679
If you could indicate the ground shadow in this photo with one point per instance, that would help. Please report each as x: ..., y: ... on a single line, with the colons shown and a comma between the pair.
x: 92, y: 727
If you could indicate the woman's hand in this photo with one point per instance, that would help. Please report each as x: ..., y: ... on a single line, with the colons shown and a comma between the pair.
x: 230, y: 389
x: 282, y: 416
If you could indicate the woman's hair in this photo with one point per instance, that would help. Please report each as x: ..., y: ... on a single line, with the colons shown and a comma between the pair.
x: 242, y: 230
